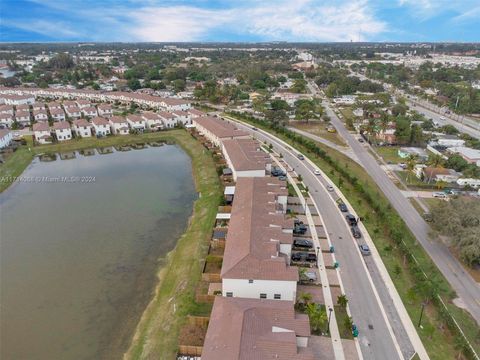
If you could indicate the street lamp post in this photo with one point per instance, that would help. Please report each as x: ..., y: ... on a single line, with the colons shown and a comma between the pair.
x: 318, y: 253
x: 421, y: 314
x: 329, y: 317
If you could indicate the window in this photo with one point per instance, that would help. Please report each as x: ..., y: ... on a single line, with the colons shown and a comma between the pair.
x: 229, y: 294
x: 250, y: 281
x: 263, y: 296
x: 277, y: 296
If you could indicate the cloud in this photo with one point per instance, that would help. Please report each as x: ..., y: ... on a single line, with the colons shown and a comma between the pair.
x: 301, y: 20
x: 53, y: 29
x: 426, y: 9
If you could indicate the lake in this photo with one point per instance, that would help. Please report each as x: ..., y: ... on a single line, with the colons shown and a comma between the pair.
x: 80, y: 244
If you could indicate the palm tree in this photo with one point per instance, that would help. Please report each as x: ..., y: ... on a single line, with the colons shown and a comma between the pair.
x: 304, y: 300
x: 348, y: 323
x: 317, y: 316
x: 411, y: 162
x: 342, y: 300
x: 435, y: 160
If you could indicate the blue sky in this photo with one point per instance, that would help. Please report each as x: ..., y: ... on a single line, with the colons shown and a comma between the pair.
x: 239, y: 20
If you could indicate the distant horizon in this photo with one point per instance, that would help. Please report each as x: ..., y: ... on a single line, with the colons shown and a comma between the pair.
x: 249, y: 21
x: 240, y: 42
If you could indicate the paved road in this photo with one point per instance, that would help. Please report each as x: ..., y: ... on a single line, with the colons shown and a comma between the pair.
x: 465, y: 286
x: 369, y: 312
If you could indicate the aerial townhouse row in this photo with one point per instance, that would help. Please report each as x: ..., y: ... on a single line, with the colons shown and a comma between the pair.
x: 19, y: 95
x: 101, y: 126
x: 255, y: 317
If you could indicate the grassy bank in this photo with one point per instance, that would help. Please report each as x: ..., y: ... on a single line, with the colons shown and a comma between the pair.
x: 14, y: 165
x: 157, y: 333
x: 388, y: 232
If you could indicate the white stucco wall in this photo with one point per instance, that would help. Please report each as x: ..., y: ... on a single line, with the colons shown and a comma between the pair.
x: 242, y: 288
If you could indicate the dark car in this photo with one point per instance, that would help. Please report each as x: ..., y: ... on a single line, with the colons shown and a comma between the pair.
x: 356, y: 232
x: 352, y: 220
x: 303, y: 256
x: 301, y: 243
x: 300, y: 156
x: 282, y: 178
x: 342, y: 207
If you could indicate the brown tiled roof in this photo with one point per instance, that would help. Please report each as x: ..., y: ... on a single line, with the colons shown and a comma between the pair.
x: 72, y: 109
x: 81, y: 123
x: 22, y: 107
x: 196, y: 112
x: 4, y: 132
x: 56, y: 111
x: 41, y: 126
x: 99, y: 121
x: 61, y: 125
x: 105, y: 107
x: 148, y: 115
x: 245, y: 154
x: 135, y: 118
x: 220, y: 128
x: 255, y: 232
x: 90, y: 109
x: 255, y: 329
x: 432, y: 172
x: 165, y: 115
x: 118, y: 120
x: 21, y: 113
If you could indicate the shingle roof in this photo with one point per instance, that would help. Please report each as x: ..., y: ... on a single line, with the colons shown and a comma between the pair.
x: 99, y: 121
x: 41, y: 126
x: 255, y: 329
x: 220, y: 128
x: 245, y: 154
x: 61, y: 125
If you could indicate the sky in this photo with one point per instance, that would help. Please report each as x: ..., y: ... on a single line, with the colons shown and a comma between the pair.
x: 239, y: 20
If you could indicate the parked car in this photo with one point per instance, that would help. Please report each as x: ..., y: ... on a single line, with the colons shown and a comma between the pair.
x: 310, y: 276
x: 304, y: 257
x: 317, y: 172
x: 360, y: 140
x: 356, y: 232
x: 302, y: 243
x: 300, y: 156
x: 254, y: 128
x: 282, y: 178
x: 330, y: 188
x: 342, y: 207
x: 364, y: 249
x: 439, y: 195
x: 352, y: 220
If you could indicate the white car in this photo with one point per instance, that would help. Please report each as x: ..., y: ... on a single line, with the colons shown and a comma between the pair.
x: 316, y: 172
x: 329, y: 187
x: 440, y: 195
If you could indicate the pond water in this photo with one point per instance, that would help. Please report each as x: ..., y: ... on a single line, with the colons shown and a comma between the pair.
x: 80, y: 243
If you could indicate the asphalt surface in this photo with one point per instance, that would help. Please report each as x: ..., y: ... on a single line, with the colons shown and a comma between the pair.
x: 375, y: 339
x: 465, y: 286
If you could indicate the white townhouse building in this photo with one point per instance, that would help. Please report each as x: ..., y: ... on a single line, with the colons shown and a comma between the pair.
x: 194, y: 113
x: 54, y: 105
x: 101, y: 126
x: 153, y: 121
x: 256, y: 262
x: 73, y: 112
x: 6, y: 120
x: 23, y: 117
x: 38, y: 106
x: 136, y: 122
x: 69, y: 104
x: 182, y: 117
x: 57, y: 114
x: 169, y: 120
x: 5, y: 138
x: 105, y: 110
x: 246, y: 158
x: 6, y: 109
x: 22, y: 107
x: 119, y: 125
x: 82, y: 128
x: 41, y: 132
x: 83, y: 104
x: 216, y: 129
x: 16, y: 99
x: 172, y: 104
x: 62, y: 130
x: 40, y: 115
x: 89, y: 111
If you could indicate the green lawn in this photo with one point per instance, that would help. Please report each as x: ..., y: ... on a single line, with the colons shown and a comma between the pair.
x: 389, y: 153
x: 438, y: 340
x: 320, y: 129
x: 14, y: 165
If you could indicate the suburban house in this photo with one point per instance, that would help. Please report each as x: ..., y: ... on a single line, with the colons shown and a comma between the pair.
x: 40, y: 115
x: 6, y: 119
x: 69, y: 104
x: 5, y: 138
x: 245, y: 158
x: 387, y: 136
x: 449, y: 141
x: 41, y: 132
x: 23, y: 117
x: 256, y: 329
x: 182, y: 116
x: 153, y: 121
x: 472, y: 156
x: 217, y: 129
x: 119, y: 125
x: 171, y: 104
x: 57, y: 114
x: 54, y: 105
x: 38, y: 106
x: 73, y: 112
x: 89, y: 111
x: 136, y: 122
x: 16, y: 99
x: 101, y: 126
x: 474, y: 183
x: 82, y: 128
x: 256, y: 262
x: 23, y: 107
x: 105, y: 110
x: 83, y: 103
x: 62, y: 130
x: 195, y: 113
x: 169, y: 120
x: 440, y: 174
x: 6, y: 109
x: 420, y: 153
